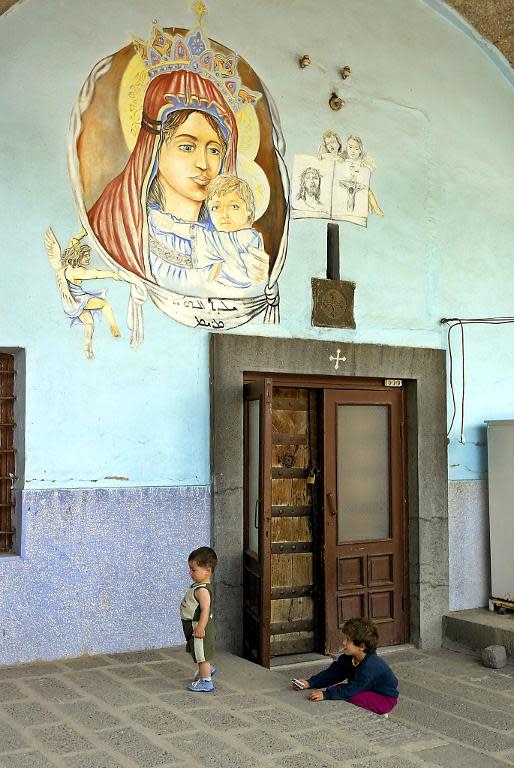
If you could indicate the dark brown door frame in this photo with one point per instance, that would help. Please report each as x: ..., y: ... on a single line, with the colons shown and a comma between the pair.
x: 424, y: 371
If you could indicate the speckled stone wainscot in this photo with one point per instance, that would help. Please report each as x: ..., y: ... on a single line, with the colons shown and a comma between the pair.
x: 99, y: 570
x: 423, y: 373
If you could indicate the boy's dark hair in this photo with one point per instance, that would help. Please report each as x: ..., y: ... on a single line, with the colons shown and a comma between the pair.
x: 362, y: 632
x: 204, y: 556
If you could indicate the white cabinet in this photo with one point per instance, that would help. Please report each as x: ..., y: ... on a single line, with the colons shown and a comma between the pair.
x: 500, y: 450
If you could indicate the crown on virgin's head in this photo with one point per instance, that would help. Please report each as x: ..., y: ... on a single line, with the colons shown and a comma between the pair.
x: 164, y: 52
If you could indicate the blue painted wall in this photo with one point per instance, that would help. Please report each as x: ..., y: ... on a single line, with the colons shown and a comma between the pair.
x: 435, y: 108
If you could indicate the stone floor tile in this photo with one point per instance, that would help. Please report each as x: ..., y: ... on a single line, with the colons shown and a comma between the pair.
x: 94, y: 760
x: 264, y: 742
x: 231, y: 759
x: 282, y: 720
x: 52, y: 689
x: 386, y: 733
x: 9, y: 691
x: 400, y: 657
x: 197, y: 749
x: 39, y: 669
x: 61, y: 739
x: 457, y: 756
x: 173, y: 669
x: 386, y: 762
x: 219, y: 719
x: 29, y: 713
x: 158, y: 719
x: 212, y: 752
x: 158, y: 685
x: 239, y: 701
x: 10, y: 739
x: 135, y: 657
x: 476, y: 692
x: 345, y: 752
x: 86, y: 662
x: 453, y: 727
x: 494, y: 681
x: 90, y: 715
x: 97, y: 683
x: 144, y: 752
x: 334, y: 744
x: 195, y: 745
x: 304, y: 760
x: 173, y: 650
x: 461, y: 707
x: 187, y: 700
x: 25, y: 760
x: 131, y: 672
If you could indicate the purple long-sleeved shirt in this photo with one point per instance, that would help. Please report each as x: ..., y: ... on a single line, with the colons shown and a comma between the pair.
x: 371, y: 674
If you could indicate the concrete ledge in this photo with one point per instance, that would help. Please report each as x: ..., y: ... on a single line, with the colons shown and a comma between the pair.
x: 477, y: 628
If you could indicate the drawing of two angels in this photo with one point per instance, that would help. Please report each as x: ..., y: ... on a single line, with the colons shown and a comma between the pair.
x: 335, y: 183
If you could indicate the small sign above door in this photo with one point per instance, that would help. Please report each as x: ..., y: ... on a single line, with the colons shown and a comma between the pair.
x: 393, y: 382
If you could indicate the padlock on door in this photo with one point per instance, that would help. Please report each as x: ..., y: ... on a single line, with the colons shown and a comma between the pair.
x: 311, y: 475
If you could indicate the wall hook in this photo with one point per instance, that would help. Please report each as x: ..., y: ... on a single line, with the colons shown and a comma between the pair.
x: 304, y: 61
x: 346, y: 72
x: 335, y: 101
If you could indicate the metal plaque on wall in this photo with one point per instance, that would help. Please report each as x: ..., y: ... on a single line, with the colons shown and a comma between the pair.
x: 332, y: 303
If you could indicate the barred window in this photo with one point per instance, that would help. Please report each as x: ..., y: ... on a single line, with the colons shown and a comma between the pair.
x: 7, y: 451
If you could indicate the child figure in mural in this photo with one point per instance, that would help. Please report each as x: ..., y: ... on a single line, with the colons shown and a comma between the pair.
x: 331, y: 147
x: 79, y: 304
x: 195, y: 612
x: 358, y: 675
x: 224, y: 251
x: 356, y: 158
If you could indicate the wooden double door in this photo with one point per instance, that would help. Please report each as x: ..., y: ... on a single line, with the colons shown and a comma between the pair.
x: 324, y: 514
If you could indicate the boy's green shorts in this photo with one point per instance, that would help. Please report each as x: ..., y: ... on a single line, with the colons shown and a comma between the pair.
x: 200, y: 648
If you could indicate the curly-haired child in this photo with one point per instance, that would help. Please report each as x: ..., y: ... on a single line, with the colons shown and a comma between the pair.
x: 358, y: 675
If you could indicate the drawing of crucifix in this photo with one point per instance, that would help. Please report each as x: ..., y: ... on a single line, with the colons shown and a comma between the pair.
x: 352, y: 186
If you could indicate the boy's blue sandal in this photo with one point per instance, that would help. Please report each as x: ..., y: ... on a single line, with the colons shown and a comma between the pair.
x: 201, y: 686
x: 213, y: 672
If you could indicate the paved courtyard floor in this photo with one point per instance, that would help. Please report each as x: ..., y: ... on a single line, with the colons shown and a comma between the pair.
x: 130, y: 710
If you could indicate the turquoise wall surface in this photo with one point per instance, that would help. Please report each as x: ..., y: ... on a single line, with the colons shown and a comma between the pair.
x: 434, y: 105
x: 434, y: 112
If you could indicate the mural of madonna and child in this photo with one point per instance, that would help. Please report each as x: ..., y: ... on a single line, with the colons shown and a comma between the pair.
x: 183, y: 190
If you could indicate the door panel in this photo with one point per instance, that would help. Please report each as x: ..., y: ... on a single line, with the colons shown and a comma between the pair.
x: 257, y: 520
x: 292, y: 603
x: 364, y: 512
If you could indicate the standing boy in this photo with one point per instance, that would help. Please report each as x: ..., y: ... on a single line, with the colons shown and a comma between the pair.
x: 195, y: 612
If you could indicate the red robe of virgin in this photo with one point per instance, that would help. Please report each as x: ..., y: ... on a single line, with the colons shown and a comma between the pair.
x: 118, y: 216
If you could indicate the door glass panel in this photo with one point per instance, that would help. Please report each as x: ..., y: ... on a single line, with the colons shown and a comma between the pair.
x: 362, y: 461
x: 253, y: 475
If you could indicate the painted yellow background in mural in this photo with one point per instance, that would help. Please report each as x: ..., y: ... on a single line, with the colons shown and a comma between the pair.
x: 130, y: 105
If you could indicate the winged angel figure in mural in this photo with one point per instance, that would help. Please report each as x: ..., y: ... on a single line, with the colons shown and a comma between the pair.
x: 182, y: 186
x: 79, y: 304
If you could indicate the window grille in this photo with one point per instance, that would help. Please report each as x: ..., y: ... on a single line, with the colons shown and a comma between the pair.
x: 7, y: 451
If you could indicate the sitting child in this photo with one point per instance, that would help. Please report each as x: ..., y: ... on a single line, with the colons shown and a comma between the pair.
x: 370, y: 684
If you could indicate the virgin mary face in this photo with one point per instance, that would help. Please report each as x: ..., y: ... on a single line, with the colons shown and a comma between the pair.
x: 190, y: 159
